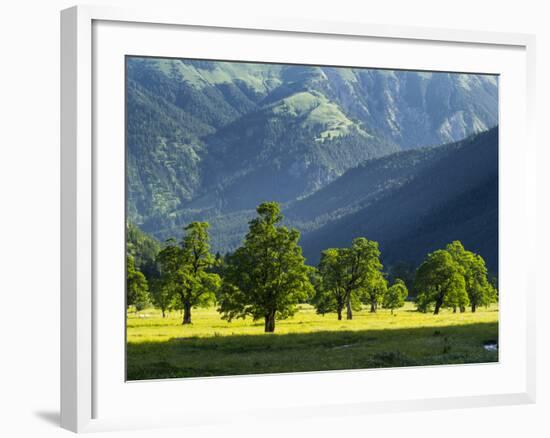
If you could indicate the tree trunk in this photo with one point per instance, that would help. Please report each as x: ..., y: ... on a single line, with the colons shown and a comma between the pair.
x: 437, y: 307
x: 454, y: 309
x: 186, y: 313
x: 462, y: 309
x: 349, y: 313
x: 339, y: 311
x: 269, y: 326
x: 163, y: 313
x: 373, y: 307
x: 474, y: 308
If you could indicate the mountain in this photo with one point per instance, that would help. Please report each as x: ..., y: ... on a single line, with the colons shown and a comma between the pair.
x: 411, y: 203
x: 210, y: 140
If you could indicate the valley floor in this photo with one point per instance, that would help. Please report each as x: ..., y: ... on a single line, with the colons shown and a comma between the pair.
x: 164, y: 348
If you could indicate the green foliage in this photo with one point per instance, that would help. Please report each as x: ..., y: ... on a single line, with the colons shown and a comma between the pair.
x: 137, y: 290
x: 396, y: 295
x: 439, y: 282
x: 347, y: 276
x: 144, y: 250
x: 330, y: 290
x: 480, y: 290
x: 162, y: 295
x: 186, y: 269
x: 376, y: 290
x: 266, y: 277
x: 363, y: 270
x: 457, y: 296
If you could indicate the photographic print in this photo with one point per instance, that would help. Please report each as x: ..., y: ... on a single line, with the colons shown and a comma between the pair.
x: 291, y: 218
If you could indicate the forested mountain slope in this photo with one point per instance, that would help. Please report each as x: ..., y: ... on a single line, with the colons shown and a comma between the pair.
x: 413, y: 203
x: 210, y: 140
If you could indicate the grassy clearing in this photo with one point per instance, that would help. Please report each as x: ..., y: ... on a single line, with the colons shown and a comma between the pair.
x: 163, y: 348
x: 316, y: 110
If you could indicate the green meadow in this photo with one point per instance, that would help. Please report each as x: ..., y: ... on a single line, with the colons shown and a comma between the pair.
x: 164, y: 348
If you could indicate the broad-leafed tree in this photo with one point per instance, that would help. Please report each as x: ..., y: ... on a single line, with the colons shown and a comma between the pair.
x: 267, y: 276
x: 162, y: 294
x: 363, y: 267
x: 330, y: 289
x: 480, y: 290
x: 396, y: 295
x: 186, y: 269
x: 137, y: 290
x: 348, y: 276
x: 440, y: 283
x: 375, y: 290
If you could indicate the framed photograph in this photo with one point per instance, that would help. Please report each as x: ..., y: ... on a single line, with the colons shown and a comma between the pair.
x: 275, y: 218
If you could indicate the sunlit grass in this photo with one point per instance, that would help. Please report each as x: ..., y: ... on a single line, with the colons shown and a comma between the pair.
x: 149, y: 326
x: 163, y: 347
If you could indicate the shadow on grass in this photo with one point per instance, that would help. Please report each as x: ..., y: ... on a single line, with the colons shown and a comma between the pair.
x: 314, y: 351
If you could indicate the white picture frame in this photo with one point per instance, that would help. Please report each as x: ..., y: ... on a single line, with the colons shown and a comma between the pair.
x: 85, y: 385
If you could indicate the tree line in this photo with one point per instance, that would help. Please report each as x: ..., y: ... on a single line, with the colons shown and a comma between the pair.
x: 267, y: 277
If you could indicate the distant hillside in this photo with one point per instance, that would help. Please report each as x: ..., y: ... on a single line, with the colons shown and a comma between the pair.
x: 364, y: 184
x: 412, y: 203
x: 210, y: 140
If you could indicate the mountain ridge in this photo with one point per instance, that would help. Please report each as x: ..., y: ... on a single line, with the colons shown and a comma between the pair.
x: 209, y: 140
x: 406, y: 211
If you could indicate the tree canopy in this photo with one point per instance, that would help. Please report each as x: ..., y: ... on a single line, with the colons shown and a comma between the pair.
x: 162, y: 294
x: 375, y: 290
x: 439, y: 282
x: 186, y: 269
x: 362, y: 262
x: 478, y: 287
x: 348, y: 275
x: 267, y: 276
x: 144, y: 249
x: 137, y: 290
x: 396, y: 295
x: 330, y: 289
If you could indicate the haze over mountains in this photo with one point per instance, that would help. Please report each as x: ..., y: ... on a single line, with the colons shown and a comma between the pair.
x: 346, y: 151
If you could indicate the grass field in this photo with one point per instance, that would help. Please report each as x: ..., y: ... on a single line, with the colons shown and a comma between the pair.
x: 164, y: 348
